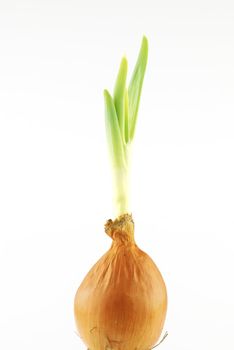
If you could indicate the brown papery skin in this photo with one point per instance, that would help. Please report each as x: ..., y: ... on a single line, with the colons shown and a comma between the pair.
x: 121, y: 303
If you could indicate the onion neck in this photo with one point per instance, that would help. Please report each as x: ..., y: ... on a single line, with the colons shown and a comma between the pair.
x: 121, y: 230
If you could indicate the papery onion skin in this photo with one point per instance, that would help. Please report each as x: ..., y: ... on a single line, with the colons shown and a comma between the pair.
x: 121, y: 303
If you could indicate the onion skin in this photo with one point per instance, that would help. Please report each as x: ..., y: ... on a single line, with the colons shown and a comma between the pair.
x: 121, y: 303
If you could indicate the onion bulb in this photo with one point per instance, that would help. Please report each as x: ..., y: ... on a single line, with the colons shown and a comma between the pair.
x: 121, y: 303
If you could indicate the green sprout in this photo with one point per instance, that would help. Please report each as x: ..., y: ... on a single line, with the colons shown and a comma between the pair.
x: 121, y: 113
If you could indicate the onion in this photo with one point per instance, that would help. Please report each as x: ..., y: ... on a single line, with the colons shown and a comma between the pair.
x: 121, y: 304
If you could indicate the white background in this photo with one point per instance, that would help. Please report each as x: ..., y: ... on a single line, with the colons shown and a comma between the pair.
x: 56, y: 57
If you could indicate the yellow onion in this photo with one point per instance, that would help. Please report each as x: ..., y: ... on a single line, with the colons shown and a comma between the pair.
x: 121, y: 303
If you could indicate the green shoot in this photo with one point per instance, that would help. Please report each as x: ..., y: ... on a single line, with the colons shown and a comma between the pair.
x: 135, y: 86
x: 119, y: 92
x: 121, y: 115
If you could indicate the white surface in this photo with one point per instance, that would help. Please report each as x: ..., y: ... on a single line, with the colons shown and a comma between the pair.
x: 56, y: 57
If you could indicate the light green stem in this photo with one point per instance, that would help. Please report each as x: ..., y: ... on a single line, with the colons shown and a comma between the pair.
x: 121, y: 186
x: 121, y: 191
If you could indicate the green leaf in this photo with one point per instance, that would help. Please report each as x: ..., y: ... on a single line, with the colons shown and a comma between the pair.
x: 119, y: 92
x: 114, y: 138
x: 135, y: 86
x: 126, y: 116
